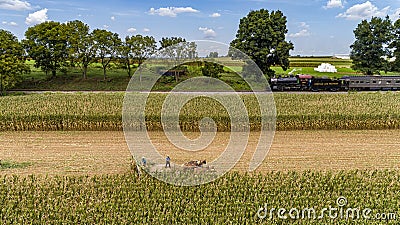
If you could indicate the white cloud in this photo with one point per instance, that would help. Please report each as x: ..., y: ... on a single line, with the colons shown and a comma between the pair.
x: 113, y: 18
x: 14, y: 5
x: 146, y: 30
x: 363, y: 11
x: 334, y: 4
x: 37, y: 17
x: 12, y: 23
x: 304, y: 25
x: 214, y: 15
x: 131, y: 30
x: 172, y: 11
x: 304, y: 31
x: 105, y: 26
x: 208, y: 32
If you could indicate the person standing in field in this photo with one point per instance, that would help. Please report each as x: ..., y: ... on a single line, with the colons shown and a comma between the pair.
x: 168, y: 162
x: 144, y: 161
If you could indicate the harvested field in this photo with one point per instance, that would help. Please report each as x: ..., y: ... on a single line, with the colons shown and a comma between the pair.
x: 92, y: 152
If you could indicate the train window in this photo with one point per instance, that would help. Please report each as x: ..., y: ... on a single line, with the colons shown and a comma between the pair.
x: 361, y: 82
x: 388, y: 82
x: 397, y: 81
x: 380, y: 82
x: 358, y: 82
x: 367, y: 82
x: 374, y: 81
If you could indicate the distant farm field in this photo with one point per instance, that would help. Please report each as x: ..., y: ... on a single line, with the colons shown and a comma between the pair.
x: 103, y: 111
x: 117, y: 78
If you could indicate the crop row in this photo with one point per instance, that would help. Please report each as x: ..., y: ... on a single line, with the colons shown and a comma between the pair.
x: 232, y: 199
x: 294, y: 111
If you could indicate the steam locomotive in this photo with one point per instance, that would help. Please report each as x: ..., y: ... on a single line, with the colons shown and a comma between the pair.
x: 303, y: 82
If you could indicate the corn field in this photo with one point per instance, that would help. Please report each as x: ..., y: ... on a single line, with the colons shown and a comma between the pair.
x: 232, y: 199
x: 51, y: 112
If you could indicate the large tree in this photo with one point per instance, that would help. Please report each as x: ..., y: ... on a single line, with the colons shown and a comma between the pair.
x: 178, y: 50
x: 12, y: 63
x: 261, y: 36
x: 212, y: 69
x: 395, y: 45
x: 370, y: 51
x: 107, y: 45
x: 170, y: 41
x: 137, y: 48
x: 81, y: 47
x: 46, y: 43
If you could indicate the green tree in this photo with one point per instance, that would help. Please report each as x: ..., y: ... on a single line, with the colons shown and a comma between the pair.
x: 169, y: 41
x: 261, y: 36
x: 395, y: 45
x: 12, y: 63
x: 81, y: 47
x: 211, y: 69
x: 107, y: 45
x: 46, y: 43
x: 370, y: 51
x: 213, y: 55
x: 177, y: 50
x: 137, y: 48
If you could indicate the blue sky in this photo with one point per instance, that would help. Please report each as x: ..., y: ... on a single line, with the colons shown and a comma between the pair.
x: 316, y: 27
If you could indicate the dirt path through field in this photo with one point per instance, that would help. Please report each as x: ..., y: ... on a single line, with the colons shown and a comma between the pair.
x: 68, y: 153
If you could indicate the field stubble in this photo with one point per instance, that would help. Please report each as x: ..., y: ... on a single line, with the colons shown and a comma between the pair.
x: 90, y: 153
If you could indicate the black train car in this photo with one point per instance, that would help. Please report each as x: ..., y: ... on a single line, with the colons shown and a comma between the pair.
x: 283, y: 83
x: 325, y: 84
x: 292, y: 83
x: 371, y: 83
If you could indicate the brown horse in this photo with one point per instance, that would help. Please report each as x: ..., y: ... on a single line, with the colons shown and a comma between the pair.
x: 195, y: 163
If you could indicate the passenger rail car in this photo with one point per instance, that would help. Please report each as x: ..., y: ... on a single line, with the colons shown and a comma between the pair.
x: 367, y: 83
x: 303, y: 82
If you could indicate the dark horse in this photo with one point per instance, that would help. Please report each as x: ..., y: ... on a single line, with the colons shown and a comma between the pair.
x: 195, y: 163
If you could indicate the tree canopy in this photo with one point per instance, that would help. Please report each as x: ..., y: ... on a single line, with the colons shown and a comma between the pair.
x: 395, y: 45
x: 370, y: 51
x: 106, y: 44
x: 12, y: 62
x: 46, y: 43
x: 81, y: 46
x: 177, y: 50
x: 261, y: 35
x: 212, y: 69
x: 137, y: 48
x: 169, y: 41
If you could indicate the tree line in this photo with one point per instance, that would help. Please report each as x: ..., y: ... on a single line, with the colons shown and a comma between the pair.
x: 55, y: 45
x: 261, y: 36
